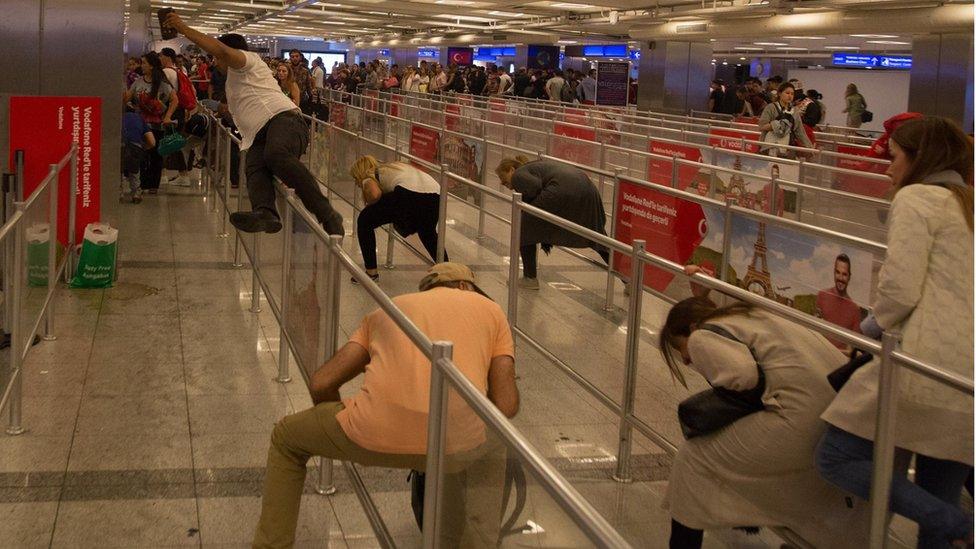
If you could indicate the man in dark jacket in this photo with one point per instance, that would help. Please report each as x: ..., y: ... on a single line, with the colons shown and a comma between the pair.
x: 522, y: 81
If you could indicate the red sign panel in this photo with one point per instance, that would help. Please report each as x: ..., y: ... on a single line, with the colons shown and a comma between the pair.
x: 395, y: 101
x: 337, y: 114
x: 452, y: 117
x: 372, y: 102
x: 496, y: 109
x: 44, y: 128
x: 574, y: 125
x: 857, y: 184
x: 425, y: 144
x: 672, y: 228
x: 659, y: 170
x: 732, y: 140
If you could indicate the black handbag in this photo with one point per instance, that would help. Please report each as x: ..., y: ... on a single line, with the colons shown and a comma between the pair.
x: 712, y: 410
x: 839, y: 377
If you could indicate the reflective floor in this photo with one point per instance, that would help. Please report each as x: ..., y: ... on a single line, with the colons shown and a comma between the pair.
x: 149, y: 418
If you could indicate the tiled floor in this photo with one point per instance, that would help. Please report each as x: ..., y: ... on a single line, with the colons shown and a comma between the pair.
x: 149, y: 417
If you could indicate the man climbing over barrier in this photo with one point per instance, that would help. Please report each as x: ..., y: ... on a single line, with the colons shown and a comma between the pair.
x: 274, y: 133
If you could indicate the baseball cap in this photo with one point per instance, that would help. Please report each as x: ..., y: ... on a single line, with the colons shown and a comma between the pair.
x: 448, y: 272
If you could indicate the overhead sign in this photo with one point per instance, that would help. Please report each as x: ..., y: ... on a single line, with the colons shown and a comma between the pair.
x: 428, y: 53
x: 44, y: 128
x: 872, y: 60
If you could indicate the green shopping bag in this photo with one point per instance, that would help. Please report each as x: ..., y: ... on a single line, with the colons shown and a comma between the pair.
x: 172, y: 142
x: 38, y: 237
x: 96, y: 266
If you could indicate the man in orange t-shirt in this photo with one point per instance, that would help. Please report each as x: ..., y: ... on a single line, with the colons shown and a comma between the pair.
x: 385, y: 423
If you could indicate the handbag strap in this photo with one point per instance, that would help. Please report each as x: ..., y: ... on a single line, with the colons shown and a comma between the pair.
x: 728, y: 335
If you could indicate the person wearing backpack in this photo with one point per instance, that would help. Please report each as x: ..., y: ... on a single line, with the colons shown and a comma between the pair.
x: 186, y: 97
x: 856, y: 106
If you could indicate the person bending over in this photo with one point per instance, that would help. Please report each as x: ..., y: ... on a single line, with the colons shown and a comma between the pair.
x: 560, y: 190
x: 385, y: 423
x: 275, y: 135
x: 396, y: 193
x: 759, y: 470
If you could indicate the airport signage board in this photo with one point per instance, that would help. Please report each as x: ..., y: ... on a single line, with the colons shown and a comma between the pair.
x: 732, y: 140
x: 428, y: 53
x: 612, y: 83
x: 872, y: 60
x: 672, y: 228
x: 660, y: 170
x: 44, y: 128
x: 425, y: 144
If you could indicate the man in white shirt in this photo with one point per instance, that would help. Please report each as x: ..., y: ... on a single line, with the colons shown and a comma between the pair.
x: 588, y: 87
x: 504, y: 82
x: 554, y: 86
x: 274, y: 133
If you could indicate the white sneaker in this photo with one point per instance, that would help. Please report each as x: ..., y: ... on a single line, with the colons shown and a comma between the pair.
x: 529, y: 283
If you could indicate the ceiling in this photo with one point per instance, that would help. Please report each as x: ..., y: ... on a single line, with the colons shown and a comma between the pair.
x: 440, y: 22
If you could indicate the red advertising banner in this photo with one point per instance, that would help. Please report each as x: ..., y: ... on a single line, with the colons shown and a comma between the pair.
x: 751, y: 120
x: 452, y: 117
x: 672, y: 228
x: 337, y: 113
x: 496, y: 109
x: 372, y: 104
x: 425, y: 144
x: 856, y: 184
x: 731, y: 140
x: 44, y: 128
x: 659, y: 170
x: 574, y: 124
x: 395, y: 101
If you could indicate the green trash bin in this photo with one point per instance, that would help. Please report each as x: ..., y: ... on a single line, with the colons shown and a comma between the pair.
x: 38, y: 237
x: 96, y: 265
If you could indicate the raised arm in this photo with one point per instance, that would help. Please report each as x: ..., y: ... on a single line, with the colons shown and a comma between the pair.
x: 229, y: 57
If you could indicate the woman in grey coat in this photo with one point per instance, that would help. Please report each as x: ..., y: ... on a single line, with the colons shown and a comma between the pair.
x: 561, y: 190
x: 780, y: 124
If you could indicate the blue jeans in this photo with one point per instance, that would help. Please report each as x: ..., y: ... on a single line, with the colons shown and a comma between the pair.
x: 932, y: 500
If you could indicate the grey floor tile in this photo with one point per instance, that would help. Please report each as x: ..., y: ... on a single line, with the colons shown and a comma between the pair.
x: 233, y: 520
x: 133, y: 378
x: 113, y: 452
x: 127, y: 523
x: 50, y: 415
x: 164, y: 326
x: 232, y: 378
x: 163, y: 414
x: 62, y: 379
x: 27, y: 525
x: 64, y: 350
x: 33, y: 452
x: 150, y: 349
x: 216, y: 414
x: 230, y: 450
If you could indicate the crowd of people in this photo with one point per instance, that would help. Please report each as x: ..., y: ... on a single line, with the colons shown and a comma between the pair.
x: 801, y: 459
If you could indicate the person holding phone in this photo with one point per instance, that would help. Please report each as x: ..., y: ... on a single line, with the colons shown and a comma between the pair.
x: 273, y: 130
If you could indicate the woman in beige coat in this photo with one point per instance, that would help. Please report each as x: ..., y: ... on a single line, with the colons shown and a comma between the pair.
x: 758, y: 471
x: 925, y: 291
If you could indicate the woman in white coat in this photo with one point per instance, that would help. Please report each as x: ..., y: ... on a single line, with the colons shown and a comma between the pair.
x: 925, y: 291
x: 758, y: 471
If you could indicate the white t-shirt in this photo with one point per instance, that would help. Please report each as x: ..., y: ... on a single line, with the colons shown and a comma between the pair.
x: 173, y: 78
x: 399, y: 174
x: 318, y: 76
x: 254, y: 97
x: 504, y: 83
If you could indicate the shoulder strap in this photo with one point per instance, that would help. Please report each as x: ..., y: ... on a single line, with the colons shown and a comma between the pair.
x: 728, y: 335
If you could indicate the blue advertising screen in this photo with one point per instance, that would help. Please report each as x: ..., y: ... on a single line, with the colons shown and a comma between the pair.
x: 872, y: 60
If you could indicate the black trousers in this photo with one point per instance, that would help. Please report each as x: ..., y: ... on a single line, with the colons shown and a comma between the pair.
x: 152, y: 165
x: 530, y: 259
x: 277, y: 152
x: 409, y: 211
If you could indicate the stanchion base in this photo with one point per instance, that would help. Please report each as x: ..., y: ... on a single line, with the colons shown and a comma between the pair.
x: 50, y: 338
x: 237, y: 265
x: 481, y: 237
x: 389, y: 266
x: 622, y: 480
x: 610, y: 309
x: 325, y: 491
x: 283, y: 379
x: 255, y: 311
x: 223, y: 235
x: 15, y: 431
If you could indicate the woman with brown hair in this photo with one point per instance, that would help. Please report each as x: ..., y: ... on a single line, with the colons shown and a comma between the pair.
x: 286, y: 81
x: 561, y: 190
x: 925, y: 291
x: 758, y: 470
x: 856, y: 105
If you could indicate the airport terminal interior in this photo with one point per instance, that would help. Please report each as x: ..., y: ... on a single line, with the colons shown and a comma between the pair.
x: 242, y: 243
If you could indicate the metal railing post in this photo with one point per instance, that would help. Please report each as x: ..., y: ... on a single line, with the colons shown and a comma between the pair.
x: 52, y: 254
x: 69, y: 269
x: 218, y: 170
x: 437, y: 419
x: 16, y: 348
x: 225, y: 180
x: 799, y: 191
x: 723, y: 270
x: 608, y: 304
x: 481, y: 194
x: 255, y: 280
x: 442, y: 216
x: 773, y: 192
x: 884, y: 441
x: 622, y: 473
x: 513, y: 260
x: 241, y: 181
x: 674, y: 171
x: 288, y: 229
x: 325, y: 484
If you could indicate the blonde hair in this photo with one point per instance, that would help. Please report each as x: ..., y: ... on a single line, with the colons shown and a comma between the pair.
x: 511, y: 164
x: 365, y: 167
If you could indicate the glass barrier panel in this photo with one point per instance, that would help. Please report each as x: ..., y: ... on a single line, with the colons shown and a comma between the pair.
x: 306, y: 297
x: 270, y: 255
x: 490, y: 498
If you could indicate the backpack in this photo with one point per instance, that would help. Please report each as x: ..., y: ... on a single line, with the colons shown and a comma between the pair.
x: 186, y: 95
x: 566, y: 93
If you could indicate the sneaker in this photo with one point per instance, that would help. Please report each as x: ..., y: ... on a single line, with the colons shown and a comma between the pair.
x: 528, y: 283
x: 256, y: 221
x: 333, y: 225
x: 184, y: 181
x: 137, y: 198
x: 374, y: 278
x: 152, y: 191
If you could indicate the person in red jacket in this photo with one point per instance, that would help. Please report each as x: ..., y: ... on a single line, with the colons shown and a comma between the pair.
x: 879, y: 149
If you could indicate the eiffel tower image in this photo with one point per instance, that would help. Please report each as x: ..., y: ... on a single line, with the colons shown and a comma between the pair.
x: 757, y: 278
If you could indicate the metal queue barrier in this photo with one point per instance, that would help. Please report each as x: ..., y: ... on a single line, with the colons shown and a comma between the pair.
x: 892, y: 360
x: 676, y: 125
x: 28, y: 306
x: 445, y: 376
x: 811, y: 176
